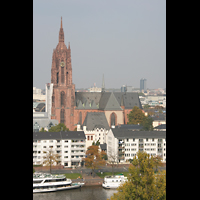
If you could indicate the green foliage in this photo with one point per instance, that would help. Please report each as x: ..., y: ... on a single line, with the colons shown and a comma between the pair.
x: 73, y: 175
x: 58, y: 128
x: 142, y: 183
x: 137, y: 116
x: 147, y: 124
x: 33, y: 170
x: 96, y: 143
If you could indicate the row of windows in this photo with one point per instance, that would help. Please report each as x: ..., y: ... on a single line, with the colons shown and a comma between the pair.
x: 51, y: 141
x: 58, y: 141
x: 89, y: 137
x: 147, y: 139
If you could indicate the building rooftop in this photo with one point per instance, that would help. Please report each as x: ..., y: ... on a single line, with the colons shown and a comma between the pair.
x: 124, y: 133
x: 59, y: 135
x: 95, y: 120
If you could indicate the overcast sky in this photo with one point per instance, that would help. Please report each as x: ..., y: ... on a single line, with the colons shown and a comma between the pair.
x: 123, y: 39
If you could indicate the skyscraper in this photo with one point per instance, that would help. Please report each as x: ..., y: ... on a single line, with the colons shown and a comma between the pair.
x: 143, y: 84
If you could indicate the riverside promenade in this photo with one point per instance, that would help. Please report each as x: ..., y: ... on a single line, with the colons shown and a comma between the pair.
x: 89, y: 180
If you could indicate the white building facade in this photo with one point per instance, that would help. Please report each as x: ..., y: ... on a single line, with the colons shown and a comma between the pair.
x: 124, y: 144
x: 70, y: 147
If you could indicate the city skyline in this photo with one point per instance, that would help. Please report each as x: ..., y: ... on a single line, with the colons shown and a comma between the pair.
x: 124, y: 40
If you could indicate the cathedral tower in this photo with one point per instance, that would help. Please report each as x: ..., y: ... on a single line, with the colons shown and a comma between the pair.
x: 63, y: 96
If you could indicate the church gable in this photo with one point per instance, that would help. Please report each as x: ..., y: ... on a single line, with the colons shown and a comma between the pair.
x: 96, y: 120
x: 109, y: 102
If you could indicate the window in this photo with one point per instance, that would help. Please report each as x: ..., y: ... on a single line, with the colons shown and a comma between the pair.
x: 88, y: 137
x: 62, y: 98
x: 152, y: 139
x: 91, y: 137
x: 62, y: 75
x: 127, y: 139
x: 133, y: 139
x: 146, y: 139
x: 112, y: 119
x: 57, y: 77
x: 62, y: 116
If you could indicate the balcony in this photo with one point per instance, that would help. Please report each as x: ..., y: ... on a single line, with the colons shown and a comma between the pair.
x: 76, y: 159
x: 77, y: 153
x: 78, y: 148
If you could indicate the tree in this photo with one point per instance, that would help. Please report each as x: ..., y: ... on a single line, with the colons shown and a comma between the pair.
x: 94, y: 158
x: 135, y: 116
x: 97, y: 143
x: 113, y: 161
x: 157, y: 161
x: 142, y: 183
x: 58, y: 128
x: 50, y: 158
x: 147, y: 123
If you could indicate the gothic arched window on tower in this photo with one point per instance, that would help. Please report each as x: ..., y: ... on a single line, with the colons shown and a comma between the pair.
x: 57, y: 77
x: 67, y: 78
x: 62, y: 75
x: 62, y: 116
x: 62, y: 98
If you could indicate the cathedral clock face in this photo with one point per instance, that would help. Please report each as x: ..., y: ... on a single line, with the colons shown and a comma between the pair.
x: 62, y: 64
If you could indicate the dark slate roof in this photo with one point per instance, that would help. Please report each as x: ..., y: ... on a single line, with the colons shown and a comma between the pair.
x: 86, y: 104
x: 59, y: 135
x: 93, y: 105
x: 95, y: 120
x: 130, y: 99
x: 161, y: 126
x: 103, y: 146
x: 79, y: 105
x: 109, y: 102
x: 89, y: 96
x: 124, y: 133
x: 159, y: 116
x: 130, y: 126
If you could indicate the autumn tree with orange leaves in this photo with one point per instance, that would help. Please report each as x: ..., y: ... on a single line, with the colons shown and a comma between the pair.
x: 94, y: 158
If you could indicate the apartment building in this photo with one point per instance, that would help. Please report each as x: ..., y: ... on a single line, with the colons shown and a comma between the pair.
x: 123, y: 144
x: 70, y: 146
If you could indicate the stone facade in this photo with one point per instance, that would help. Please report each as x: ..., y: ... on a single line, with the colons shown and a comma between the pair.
x: 63, y: 89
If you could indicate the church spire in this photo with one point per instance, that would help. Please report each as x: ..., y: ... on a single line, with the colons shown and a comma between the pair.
x: 61, y: 33
x: 103, y: 85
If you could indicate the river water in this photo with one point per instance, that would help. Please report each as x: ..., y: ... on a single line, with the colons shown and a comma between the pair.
x: 84, y: 193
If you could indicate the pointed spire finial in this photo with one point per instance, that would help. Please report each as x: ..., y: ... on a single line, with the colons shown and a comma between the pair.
x: 103, y: 85
x: 61, y: 23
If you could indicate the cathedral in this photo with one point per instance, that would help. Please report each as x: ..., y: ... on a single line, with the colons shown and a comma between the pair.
x: 70, y: 107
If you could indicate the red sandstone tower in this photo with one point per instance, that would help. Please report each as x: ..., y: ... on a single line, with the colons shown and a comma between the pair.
x: 63, y: 97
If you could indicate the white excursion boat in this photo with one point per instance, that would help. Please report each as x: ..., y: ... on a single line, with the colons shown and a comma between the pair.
x: 45, y: 182
x: 113, y: 181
